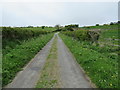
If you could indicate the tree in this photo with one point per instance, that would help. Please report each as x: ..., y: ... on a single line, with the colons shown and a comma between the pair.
x: 30, y: 26
x: 111, y: 23
x: 97, y: 24
x: 118, y: 22
x: 43, y: 27
x: 57, y: 26
x: 105, y: 24
x: 72, y: 26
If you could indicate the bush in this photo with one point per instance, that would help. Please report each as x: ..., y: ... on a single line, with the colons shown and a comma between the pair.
x: 43, y: 27
x: 97, y: 24
x: 19, y: 33
x: 111, y: 23
x: 78, y: 34
x: 14, y: 36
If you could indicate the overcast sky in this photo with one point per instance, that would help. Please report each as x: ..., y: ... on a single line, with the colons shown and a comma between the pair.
x: 16, y: 13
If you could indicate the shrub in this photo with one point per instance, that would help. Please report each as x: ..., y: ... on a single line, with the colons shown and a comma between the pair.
x: 111, y: 23
x: 78, y: 34
x: 43, y: 27
x: 97, y: 24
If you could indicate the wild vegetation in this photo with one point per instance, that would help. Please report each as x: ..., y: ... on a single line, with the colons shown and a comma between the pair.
x: 100, y: 62
x: 95, y: 48
x: 84, y: 35
x: 15, y: 36
x: 19, y: 47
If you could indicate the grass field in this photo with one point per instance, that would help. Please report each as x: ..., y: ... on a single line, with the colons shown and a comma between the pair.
x: 109, y: 33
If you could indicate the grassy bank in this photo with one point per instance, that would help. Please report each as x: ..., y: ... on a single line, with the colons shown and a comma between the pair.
x: 49, y: 77
x: 99, y: 63
x: 16, y: 58
x: 11, y: 37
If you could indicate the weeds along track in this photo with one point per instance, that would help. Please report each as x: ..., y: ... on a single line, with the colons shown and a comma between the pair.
x: 18, y: 57
x: 99, y: 63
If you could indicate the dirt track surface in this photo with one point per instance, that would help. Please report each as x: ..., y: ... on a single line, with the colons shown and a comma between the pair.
x: 71, y: 73
x: 30, y: 74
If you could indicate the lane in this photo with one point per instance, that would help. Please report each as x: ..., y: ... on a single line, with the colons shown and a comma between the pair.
x: 28, y: 77
x: 72, y: 75
x: 70, y: 72
x: 49, y: 76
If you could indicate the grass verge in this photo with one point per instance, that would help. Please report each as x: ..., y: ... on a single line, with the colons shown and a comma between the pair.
x: 18, y: 57
x: 101, y: 67
x: 49, y: 77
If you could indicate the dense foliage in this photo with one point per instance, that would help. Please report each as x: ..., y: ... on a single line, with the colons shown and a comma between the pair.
x: 19, y: 33
x: 78, y: 34
x: 14, y: 36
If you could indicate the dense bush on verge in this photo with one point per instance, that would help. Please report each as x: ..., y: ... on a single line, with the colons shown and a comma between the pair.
x: 19, y: 33
x: 15, y: 36
x: 21, y: 55
x: 84, y: 35
x: 78, y: 34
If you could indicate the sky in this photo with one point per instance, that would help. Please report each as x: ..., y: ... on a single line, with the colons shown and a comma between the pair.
x: 50, y: 13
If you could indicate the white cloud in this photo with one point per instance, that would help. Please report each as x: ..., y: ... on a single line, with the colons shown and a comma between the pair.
x: 51, y: 13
